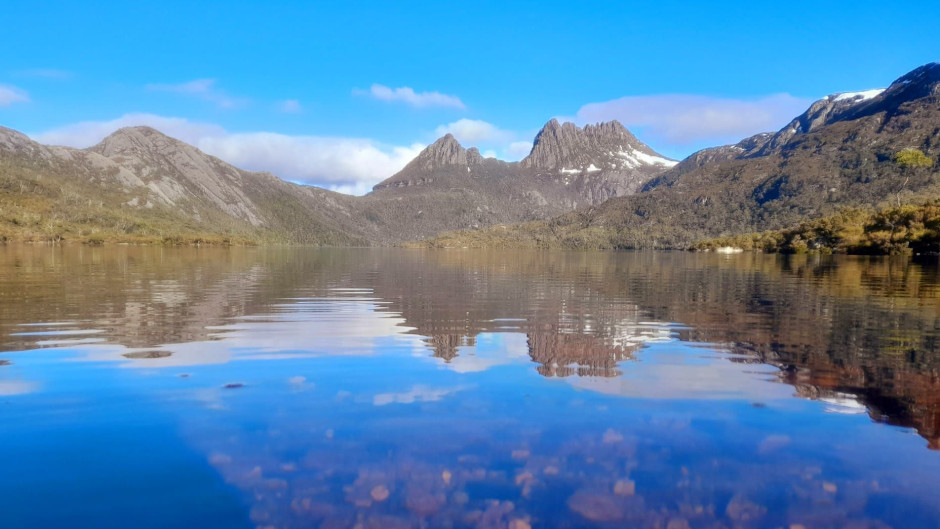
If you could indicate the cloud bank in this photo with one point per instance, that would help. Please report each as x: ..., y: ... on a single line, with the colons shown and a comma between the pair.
x: 347, y: 165
x: 408, y: 96
x: 679, y: 121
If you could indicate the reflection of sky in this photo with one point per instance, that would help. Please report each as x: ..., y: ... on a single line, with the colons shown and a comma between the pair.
x: 352, y: 388
x: 305, y: 328
x: 491, y: 349
x: 676, y: 370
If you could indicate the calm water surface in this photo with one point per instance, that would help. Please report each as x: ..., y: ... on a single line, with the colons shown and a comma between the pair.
x: 294, y: 388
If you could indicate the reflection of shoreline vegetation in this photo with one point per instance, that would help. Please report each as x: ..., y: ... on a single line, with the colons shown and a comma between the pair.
x: 864, y: 326
x: 890, y: 231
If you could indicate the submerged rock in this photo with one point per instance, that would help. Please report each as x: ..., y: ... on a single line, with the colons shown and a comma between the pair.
x: 424, y: 503
x: 596, y: 506
x: 519, y: 523
x: 379, y: 493
x: 625, y: 487
x: 741, y: 509
x: 611, y: 437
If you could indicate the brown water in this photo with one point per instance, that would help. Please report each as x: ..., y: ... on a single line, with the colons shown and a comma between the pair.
x: 153, y: 387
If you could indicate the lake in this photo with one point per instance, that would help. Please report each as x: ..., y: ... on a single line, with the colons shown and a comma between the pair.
x: 290, y: 387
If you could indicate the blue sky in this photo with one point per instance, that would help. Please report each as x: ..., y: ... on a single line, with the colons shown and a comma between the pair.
x: 342, y: 94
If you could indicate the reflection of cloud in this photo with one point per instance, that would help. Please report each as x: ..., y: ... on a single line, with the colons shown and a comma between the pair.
x: 418, y: 393
x: 671, y: 372
x: 491, y: 349
x: 306, y: 328
x: 843, y: 403
x: 16, y: 387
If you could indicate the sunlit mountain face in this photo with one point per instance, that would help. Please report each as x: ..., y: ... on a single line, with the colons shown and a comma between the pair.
x: 391, y: 388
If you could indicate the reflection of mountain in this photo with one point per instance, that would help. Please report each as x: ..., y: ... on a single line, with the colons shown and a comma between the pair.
x: 558, y: 354
x: 865, y: 328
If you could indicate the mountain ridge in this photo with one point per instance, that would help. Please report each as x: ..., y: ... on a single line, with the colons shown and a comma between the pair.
x: 149, y: 173
x: 838, y: 153
x: 596, y: 185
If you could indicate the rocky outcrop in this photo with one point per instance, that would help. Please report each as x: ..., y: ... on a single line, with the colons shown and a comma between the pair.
x: 599, y: 147
x: 443, y: 156
x: 569, y: 167
x: 177, y: 171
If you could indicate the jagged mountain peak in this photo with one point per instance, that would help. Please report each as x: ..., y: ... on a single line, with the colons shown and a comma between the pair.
x: 444, y: 152
x: 607, y: 145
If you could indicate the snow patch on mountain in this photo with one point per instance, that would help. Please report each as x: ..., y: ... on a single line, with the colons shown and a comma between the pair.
x: 636, y: 158
x: 858, y: 96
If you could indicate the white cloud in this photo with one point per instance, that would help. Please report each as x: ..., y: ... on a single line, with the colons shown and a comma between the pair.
x: 202, y: 88
x: 291, y: 106
x: 683, y: 120
x: 499, y: 143
x: 87, y: 133
x: 519, y: 149
x: 45, y: 73
x: 11, y: 94
x: 409, y: 96
x: 349, y: 165
x: 474, y: 131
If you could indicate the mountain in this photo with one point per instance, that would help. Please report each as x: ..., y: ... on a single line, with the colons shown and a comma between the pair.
x: 599, y: 185
x: 577, y: 166
x: 138, y: 184
x: 448, y: 187
x: 604, y: 157
x: 838, y: 153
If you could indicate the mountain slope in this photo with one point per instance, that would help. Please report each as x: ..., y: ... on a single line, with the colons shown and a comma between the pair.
x: 837, y: 154
x: 139, y: 185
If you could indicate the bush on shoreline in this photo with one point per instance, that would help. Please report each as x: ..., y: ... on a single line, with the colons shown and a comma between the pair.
x: 900, y: 230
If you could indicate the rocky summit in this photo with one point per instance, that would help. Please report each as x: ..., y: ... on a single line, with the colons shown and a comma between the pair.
x: 568, y: 167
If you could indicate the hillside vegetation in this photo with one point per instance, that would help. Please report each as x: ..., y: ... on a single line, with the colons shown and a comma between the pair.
x: 42, y: 206
x: 890, y: 231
